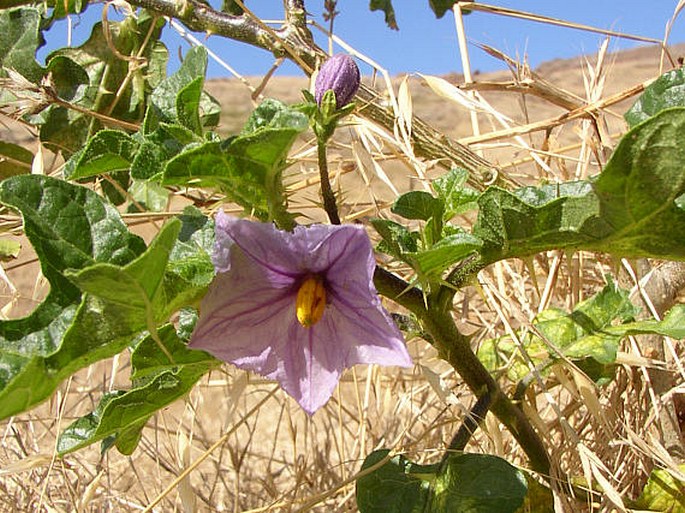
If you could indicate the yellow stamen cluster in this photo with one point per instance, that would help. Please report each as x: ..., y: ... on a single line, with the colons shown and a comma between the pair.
x: 311, y: 301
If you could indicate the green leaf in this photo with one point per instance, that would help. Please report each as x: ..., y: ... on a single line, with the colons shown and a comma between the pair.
x: 149, y: 195
x: 107, y: 151
x: 584, y: 333
x: 478, y: 483
x: 466, y: 483
x: 530, y: 220
x: 64, y: 7
x: 387, y: 8
x: 38, y: 352
x: 663, y: 492
x: 24, y: 345
x: 124, y: 413
x: 397, y: 240
x: 14, y: 160
x: 630, y: 210
x: 138, y: 285
x: 69, y: 79
x: 172, y: 273
x: 70, y: 227
x: 180, y: 98
x: 672, y: 325
x: 44, y: 349
x: 589, y: 335
x: 148, y: 361
x: 110, y: 90
x: 158, y: 145
x: 247, y: 168
x: 9, y: 249
x: 390, y: 488
x: 418, y: 205
x: 445, y: 253
x: 451, y: 188
x: 20, y: 38
x: 666, y: 91
x: 190, y: 269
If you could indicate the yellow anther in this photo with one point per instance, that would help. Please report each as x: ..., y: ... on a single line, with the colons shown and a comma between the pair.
x: 311, y: 301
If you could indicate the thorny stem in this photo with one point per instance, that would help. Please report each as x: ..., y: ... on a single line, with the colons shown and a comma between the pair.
x: 329, y: 203
x: 455, y: 348
x: 294, y: 41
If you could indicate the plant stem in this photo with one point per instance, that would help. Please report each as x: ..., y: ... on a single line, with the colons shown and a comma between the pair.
x: 329, y: 203
x: 455, y: 348
x: 471, y: 423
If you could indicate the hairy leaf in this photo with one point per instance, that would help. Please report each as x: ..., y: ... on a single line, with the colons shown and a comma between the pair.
x: 110, y: 91
x: 466, y: 483
x: 589, y: 335
x: 123, y: 414
x: 445, y: 253
x: 666, y: 91
x: 20, y: 38
x: 456, y: 196
x: 70, y: 227
x: 418, y: 205
x: 391, y: 488
x: 478, y: 483
x: 180, y: 98
x: 107, y: 151
x: 631, y: 209
x: 247, y: 168
x: 138, y: 285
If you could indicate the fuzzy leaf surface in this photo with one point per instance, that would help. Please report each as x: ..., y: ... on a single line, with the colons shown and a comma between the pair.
x: 123, y: 414
x: 467, y: 483
x: 632, y: 209
x: 666, y: 91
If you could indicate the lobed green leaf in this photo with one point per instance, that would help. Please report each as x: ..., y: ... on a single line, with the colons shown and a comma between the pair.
x: 631, y: 209
x: 465, y: 483
x: 20, y: 38
x: 123, y: 414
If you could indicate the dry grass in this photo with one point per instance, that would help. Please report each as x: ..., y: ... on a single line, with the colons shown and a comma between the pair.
x: 237, y: 443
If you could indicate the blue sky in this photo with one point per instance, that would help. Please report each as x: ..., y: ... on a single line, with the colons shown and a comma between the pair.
x: 428, y: 45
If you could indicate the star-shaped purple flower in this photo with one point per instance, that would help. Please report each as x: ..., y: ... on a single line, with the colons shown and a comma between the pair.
x: 296, y: 307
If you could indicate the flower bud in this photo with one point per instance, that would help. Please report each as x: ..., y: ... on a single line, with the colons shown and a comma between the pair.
x: 339, y: 74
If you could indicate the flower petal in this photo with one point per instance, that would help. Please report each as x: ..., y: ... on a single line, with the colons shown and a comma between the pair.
x: 248, y: 316
x: 312, y: 367
x: 275, y: 250
x: 337, y: 250
x: 243, y: 316
x: 368, y: 332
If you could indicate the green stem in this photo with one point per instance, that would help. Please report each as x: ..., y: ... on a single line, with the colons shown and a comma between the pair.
x: 329, y: 203
x: 455, y: 348
x: 470, y: 425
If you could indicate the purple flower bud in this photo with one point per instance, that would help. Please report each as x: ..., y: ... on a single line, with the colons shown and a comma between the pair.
x: 340, y: 74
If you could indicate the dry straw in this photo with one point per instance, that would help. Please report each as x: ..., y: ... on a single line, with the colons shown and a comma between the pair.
x: 238, y: 444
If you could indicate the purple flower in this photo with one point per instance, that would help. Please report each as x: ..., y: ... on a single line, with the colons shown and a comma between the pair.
x: 296, y: 307
x: 340, y: 74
